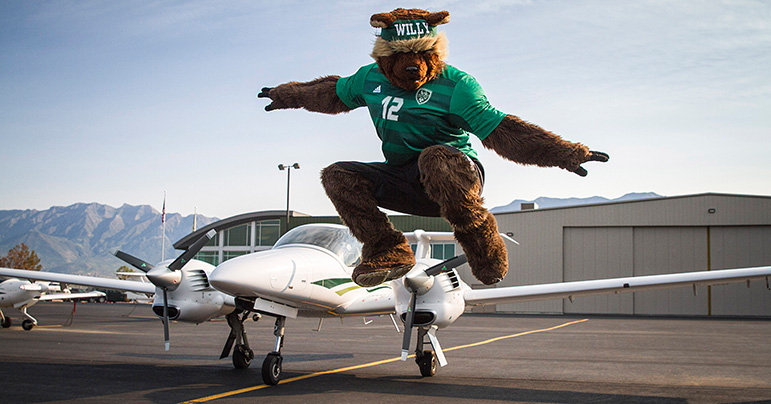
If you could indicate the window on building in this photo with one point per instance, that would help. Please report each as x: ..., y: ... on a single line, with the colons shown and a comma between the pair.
x: 442, y: 251
x: 268, y: 232
x: 240, y: 236
x: 212, y: 257
x: 439, y: 251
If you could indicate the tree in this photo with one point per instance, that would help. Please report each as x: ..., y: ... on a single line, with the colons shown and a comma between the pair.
x: 20, y: 257
x: 124, y: 269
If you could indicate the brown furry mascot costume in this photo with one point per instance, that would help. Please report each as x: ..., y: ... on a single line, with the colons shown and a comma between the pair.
x: 424, y: 111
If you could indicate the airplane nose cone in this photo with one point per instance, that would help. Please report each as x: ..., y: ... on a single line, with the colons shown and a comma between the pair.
x: 228, y: 278
x: 248, y: 275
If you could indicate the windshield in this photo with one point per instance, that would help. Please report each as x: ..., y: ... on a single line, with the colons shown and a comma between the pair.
x: 335, y: 238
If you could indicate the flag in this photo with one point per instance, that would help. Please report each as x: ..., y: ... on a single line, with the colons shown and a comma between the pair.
x: 163, y: 213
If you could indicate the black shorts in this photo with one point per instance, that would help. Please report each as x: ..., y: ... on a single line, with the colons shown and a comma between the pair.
x: 398, y: 188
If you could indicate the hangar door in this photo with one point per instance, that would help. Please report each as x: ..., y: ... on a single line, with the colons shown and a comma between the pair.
x: 612, y: 252
x: 740, y: 247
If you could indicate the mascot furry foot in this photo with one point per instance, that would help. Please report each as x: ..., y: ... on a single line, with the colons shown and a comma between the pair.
x: 424, y: 111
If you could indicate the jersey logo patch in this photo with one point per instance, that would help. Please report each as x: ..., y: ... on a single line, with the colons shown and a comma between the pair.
x: 376, y: 90
x: 423, y: 95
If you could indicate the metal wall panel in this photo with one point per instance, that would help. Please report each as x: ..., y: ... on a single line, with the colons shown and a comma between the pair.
x: 598, y: 253
x: 666, y: 250
x: 738, y: 247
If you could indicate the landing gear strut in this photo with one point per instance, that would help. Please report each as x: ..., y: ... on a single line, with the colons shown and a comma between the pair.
x: 242, y: 354
x: 29, y: 322
x: 428, y: 361
x: 5, y: 321
x: 271, y: 366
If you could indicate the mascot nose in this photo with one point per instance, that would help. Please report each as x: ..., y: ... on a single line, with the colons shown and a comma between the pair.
x: 411, y: 69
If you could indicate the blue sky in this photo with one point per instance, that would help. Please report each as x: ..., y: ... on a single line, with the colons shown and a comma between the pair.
x: 117, y: 102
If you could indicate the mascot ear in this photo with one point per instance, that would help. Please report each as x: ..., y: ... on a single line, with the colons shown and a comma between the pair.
x: 382, y: 20
x: 438, y: 18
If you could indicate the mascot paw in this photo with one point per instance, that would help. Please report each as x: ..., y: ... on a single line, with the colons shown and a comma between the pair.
x: 392, y: 264
x: 593, y: 156
x: 265, y: 93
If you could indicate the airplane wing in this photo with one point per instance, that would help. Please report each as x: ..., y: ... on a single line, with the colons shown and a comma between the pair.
x: 92, y: 281
x: 570, y: 290
x: 66, y: 296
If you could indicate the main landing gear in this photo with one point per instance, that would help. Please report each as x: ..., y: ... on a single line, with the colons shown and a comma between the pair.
x: 428, y: 360
x: 29, y: 322
x: 243, y: 355
x: 5, y: 321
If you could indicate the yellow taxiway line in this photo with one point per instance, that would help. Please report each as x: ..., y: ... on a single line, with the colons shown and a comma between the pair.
x: 366, y: 365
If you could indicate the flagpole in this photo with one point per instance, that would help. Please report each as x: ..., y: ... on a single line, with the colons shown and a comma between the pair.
x: 163, y: 235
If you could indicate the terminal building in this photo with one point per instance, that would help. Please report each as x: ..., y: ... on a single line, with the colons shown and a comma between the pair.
x: 608, y: 240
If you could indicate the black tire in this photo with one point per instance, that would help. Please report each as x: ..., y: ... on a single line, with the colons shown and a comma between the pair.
x: 242, y: 357
x: 7, y: 322
x: 427, y: 363
x: 101, y: 299
x: 271, y: 369
x: 27, y: 325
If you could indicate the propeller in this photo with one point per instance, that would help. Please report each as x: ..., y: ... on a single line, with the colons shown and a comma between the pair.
x: 419, y: 283
x: 167, y: 277
x: 135, y: 262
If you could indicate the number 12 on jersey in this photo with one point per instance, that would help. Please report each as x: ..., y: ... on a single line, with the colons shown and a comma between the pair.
x: 391, y: 105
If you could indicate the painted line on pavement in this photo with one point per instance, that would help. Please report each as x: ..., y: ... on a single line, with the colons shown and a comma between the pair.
x: 371, y: 364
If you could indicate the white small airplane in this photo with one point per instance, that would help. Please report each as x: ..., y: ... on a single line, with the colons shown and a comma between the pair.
x: 308, y: 273
x: 22, y: 294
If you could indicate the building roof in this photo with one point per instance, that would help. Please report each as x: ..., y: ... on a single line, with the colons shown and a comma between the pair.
x: 233, y: 221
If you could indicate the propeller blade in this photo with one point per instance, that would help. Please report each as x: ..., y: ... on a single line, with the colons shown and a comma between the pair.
x: 192, y: 250
x: 408, y: 325
x: 133, y: 261
x: 446, y: 265
x: 165, y: 319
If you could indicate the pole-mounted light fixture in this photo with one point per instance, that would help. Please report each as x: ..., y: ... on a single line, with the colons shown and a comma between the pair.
x: 288, y: 169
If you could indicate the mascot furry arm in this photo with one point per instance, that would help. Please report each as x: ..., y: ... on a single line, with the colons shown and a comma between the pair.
x: 513, y: 139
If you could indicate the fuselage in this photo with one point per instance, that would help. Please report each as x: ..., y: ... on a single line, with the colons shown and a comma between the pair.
x: 18, y: 294
x: 310, y: 269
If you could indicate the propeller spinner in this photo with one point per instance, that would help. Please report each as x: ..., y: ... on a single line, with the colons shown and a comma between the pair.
x: 418, y: 283
x: 167, y: 277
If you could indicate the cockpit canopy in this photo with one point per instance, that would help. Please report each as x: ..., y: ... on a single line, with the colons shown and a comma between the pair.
x: 334, y: 238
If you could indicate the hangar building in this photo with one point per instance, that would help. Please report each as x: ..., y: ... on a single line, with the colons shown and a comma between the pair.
x: 608, y: 240
x: 644, y: 237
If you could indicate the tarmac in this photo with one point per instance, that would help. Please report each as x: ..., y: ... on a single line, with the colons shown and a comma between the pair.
x: 114, y: 353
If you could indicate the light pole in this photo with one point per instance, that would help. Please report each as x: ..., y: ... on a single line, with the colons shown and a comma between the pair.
x: 288, y: 169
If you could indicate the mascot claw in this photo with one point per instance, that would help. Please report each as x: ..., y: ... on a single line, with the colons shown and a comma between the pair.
x: 593, y: 156
x: 265, y: 93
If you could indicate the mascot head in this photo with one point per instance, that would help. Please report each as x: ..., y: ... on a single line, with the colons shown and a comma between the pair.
x: 409, y: 52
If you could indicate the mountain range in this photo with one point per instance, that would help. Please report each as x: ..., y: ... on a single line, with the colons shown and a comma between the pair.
x: 545, y: 202
x: 79, y: 238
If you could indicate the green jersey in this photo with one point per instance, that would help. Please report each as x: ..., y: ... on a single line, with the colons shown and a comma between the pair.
x: 443, y: 111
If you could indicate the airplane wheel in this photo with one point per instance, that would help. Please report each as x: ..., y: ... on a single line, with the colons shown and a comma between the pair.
x: 27, y: 324
x: 427, y: 363
x: 7, y: 322
x: 271, y: 368
x: 242, y: 357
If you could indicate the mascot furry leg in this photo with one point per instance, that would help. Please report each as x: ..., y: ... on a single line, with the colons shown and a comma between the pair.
x: 386, y: 254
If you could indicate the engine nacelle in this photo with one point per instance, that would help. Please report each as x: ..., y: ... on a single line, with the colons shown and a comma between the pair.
x: 438, y: 303
x: 194, y: 301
